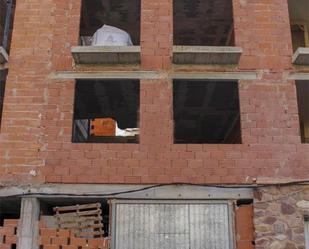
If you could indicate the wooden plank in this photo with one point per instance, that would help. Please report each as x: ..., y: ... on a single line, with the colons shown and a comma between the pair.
x: 81, y: 219
x: 79, y: 207
x: 80, y: 213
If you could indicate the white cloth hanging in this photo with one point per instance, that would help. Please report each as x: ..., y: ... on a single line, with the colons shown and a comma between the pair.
x: 111, y: 36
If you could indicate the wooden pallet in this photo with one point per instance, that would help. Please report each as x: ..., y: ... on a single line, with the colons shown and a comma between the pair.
x: 85, y: 221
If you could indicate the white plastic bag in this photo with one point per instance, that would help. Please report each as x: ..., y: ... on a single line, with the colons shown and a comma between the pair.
x: 111, y: 36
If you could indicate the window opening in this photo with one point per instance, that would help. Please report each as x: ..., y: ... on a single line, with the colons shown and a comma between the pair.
x: 203, y: 23
x: 110, y: 23
x: 299, y: 20
x: 302, y: 88
x: 7, y: 8
x: 106, y: 111
x: 206, y: 111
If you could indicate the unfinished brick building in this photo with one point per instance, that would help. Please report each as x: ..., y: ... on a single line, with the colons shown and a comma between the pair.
x: 194, y: 134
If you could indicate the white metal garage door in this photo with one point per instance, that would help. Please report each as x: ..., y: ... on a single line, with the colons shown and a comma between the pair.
x: 172, y: 226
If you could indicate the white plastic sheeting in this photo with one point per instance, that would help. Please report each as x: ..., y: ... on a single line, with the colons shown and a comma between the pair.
x: 128, y: 132
x: 111, y: 36
x: 172, y: 226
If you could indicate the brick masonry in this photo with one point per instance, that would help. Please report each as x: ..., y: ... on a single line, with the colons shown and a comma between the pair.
x: 37, y: 120
x: 49, y: 238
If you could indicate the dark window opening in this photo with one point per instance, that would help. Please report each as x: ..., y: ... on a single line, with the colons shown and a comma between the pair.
x: 299, y: 20
x: 303, y: 109
x: 9, y: 209
x: 123, y: 15
x: 203, y: 23
x: 206, y: 112
x: 106, y: 111
x: 7, y: 8
x: 48, y: 215
x: 3, y: 74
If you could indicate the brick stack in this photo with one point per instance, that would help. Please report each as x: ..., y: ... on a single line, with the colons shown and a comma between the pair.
x: 52, y: 238
x: 8, y: 234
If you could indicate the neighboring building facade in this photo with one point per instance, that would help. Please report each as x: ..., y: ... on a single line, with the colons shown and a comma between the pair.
x: 219, y: 138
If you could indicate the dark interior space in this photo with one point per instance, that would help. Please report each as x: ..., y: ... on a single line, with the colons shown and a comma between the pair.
x: 3, y: 74
x: 123, y: 14
x: 298, y: 36
x: 106, y: 111
x: 206, y: 112
x: 299, y: 19
x: 2, y: 19
x: 303, y: 109
x: 203, y: 23
x: 7, y: 8
x: 48, y: 204
x: 9, y: 208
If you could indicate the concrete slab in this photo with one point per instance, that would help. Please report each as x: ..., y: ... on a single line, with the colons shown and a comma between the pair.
x: 4, y: 57
x: 106, y: 54
x: 301, y: 57
x: 206, y: 55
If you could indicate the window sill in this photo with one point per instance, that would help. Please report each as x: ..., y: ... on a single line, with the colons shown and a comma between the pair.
x: 106, y: 54
x: 206, y: 55
x: 301, y: 57
x: 4, y: 57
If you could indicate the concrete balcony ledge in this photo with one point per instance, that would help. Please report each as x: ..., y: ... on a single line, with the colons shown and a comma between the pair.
x: 4, y: 57
x: 206, y: 55
x: 106, y: 54
x: 301, y: 57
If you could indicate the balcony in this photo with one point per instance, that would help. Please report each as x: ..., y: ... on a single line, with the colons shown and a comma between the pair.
x: 301, y: 57
x: 106, y: 54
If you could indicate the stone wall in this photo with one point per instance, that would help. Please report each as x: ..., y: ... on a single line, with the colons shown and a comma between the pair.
x: 279, y: 217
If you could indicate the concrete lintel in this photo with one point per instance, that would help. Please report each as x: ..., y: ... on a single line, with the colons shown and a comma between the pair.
x: 106, y: 54
x: 28, y: 229
x: 301, y: 57
x: 156, y: 75
x: 178, y: 191
x: 4, y: 57
x: 298, y: 76
x: 217, y: 75
x: 219, y: 55
x: 110, y: 75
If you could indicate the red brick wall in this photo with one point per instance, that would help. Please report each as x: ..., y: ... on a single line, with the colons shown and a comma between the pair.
x: 37, y: 119
x: 244, y: 227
